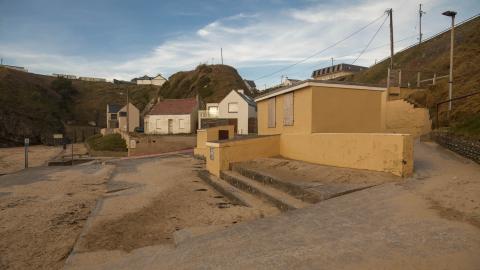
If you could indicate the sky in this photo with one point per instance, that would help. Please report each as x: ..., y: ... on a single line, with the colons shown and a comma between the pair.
x: 262, y: 39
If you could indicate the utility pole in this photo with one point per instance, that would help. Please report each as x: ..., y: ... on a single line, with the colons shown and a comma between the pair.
x: 420, y: 13
x: 128, y: 112
x: 390, y: 13
x: 452, y: 38
x: 221, y: 54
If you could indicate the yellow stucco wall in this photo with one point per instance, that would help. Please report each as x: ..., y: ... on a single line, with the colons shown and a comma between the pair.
x: 347, y: 110
x: 210, y: 135
x: 403, y: 117
x: 319, y: 109
x: 240, y: 150
x: 302, y: 111
x: 371, y: 151
x: 391, y: 153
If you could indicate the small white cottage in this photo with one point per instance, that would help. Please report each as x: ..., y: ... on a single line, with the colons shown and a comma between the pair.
x: 172, y: 116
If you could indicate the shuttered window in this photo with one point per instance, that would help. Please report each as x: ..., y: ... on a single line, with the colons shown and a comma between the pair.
x: 288, y: 109
x: 181, y: 124
x: 271, y: 113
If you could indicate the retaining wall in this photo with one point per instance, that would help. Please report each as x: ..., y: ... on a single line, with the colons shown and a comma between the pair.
x: 465, y: 147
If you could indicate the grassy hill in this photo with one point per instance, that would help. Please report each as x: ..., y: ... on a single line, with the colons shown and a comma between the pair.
x: 431, y: 57
x: 35, y: 106
x: 211, y: 82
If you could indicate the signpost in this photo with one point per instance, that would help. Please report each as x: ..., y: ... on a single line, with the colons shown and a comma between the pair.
x: 26, y: 143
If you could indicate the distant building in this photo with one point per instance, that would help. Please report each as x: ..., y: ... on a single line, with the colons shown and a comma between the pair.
x: 115, y: 81
x: 15, y: 67
x: 158, y: 80
x: 65, y: 76
x: 250, y: 85
x: 92, y: 79
x: 336, y: 71
x: 287, y: 81
x: 117, y: 117
x: 172, y: 116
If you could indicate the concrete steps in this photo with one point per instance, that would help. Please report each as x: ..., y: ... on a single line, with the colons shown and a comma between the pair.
x: 296, y: 191
x: 269, y: 193
x: 235, y: 195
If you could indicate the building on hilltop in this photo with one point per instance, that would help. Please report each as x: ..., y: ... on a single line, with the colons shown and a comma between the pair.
x: 92, y: 79
x: 336, y: 71
x: 158, y: 80
x: 15, y: 68
x: 65, y: 76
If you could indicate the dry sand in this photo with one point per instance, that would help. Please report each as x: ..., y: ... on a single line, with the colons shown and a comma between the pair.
x: 158, y: 197
x: 41, y: 218
x: 12, y: 159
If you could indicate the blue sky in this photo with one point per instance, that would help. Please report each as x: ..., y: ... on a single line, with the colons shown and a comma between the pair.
x: 123, y: 39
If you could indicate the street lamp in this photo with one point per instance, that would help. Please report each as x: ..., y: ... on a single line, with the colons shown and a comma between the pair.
x: 450, y: 80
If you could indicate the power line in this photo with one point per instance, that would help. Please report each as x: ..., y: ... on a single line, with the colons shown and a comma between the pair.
x: 370, y: 41
x: 319, y: 52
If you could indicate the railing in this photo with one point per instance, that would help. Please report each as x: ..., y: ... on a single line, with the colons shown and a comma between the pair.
x: 411, y: 78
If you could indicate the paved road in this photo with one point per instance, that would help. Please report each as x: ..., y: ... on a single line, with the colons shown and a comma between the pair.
x: 426, y: 222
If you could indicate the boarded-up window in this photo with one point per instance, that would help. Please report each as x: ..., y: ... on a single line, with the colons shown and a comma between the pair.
x: 271, y: 113
x: 233, y: 107
x: 181, y: 123
x: 288, y: 109
x: 158, y: 124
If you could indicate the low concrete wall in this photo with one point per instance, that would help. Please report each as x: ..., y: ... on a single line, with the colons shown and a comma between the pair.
x: 155, y: 144
x: 210, y: 135
x: 370, y: 151
x: 391, y: 153
x: 225, y: 153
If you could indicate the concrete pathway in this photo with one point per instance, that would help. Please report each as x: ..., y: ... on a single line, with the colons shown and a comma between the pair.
x: 426, y: 222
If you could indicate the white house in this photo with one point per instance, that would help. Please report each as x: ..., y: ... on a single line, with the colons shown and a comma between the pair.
x: 235, y: 106
x: 172, y: 116
x: 158, y: 80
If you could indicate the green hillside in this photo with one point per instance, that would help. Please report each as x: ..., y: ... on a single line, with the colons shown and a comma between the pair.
x: 432, y: 57
x: 36, y: 106
x: 211, y: 82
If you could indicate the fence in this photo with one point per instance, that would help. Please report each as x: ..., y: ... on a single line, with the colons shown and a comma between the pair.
x: 412, y: 78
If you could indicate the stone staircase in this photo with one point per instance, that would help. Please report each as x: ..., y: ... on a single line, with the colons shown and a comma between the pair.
x: 252, y: 189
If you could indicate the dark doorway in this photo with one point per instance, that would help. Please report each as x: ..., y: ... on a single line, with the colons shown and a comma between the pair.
x: 223, y: 134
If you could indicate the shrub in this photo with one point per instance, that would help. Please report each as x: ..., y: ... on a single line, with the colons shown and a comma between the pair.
x: 110, y: 142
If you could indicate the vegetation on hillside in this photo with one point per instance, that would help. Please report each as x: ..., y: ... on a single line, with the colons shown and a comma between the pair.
x: 211, y: 82
x: 432, y: 57
x: 110, y: 142
x: 37, y: 106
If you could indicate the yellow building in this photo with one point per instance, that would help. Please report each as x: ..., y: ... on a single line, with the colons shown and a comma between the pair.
x: 320, y: 107
x: 329, y: 123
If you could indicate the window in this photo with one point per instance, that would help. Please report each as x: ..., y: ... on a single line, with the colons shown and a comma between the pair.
x: 288, y: 109
x: 113, y: 116
x: 233, y: 107
x: 271, y: 113
x: 158, y: 124
x: 213, y: 110
x: 123, y: 114
x: 181, y: 123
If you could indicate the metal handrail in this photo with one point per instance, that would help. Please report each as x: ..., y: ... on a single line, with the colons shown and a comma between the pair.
x: 453, y: 99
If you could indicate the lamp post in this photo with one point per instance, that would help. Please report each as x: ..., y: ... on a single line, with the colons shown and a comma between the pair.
x: 450, y: 80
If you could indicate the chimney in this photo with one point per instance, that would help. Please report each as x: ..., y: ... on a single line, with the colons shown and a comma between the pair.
x: 241, y: 91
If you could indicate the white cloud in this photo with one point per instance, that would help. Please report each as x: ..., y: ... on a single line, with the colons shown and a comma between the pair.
x: 258, y: 41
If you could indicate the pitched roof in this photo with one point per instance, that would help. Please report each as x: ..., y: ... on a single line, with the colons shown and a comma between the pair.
x: 174, y: 106
x: 114, y: 108
x: 248, y: 99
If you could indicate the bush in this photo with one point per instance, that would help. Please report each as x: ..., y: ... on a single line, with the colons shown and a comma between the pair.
x: 111, y: 142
